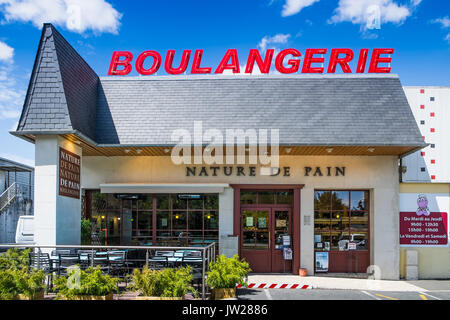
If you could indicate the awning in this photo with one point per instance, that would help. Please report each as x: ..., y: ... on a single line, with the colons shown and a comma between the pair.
x: 163, y: 187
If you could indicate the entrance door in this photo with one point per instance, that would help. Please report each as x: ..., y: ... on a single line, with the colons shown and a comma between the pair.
x: 263, y: 230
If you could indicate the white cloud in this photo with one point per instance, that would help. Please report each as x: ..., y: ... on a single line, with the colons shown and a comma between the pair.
x: 365, y: 12
x: 292, y: 7
x: 17, y: 158
x: 6, y: 52
x: 75, y: 15
x: 276, y: 39
x: 444, y: 22
x: 11, y: 97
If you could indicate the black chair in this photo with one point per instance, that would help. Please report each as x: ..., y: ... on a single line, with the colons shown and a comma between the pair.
x: 57, y: 252
x: 167, y: 253
x: 67, y: 261
x: 101, y: 260
x: 42, y: 261
x: 118, y: 263
x: 158, y: 262
x: 194, y: 260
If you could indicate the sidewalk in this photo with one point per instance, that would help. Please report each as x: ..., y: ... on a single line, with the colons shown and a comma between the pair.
x: 327, y: 282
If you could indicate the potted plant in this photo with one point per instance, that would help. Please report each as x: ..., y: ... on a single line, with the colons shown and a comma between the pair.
x: 14, y: 259
x: 224, y: 274
x: 90, y: 284
x: 165, y: 284
x: 22, y: 284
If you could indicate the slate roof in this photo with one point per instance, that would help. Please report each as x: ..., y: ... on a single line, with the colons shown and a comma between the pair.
x: 66, y: 96
x: 308, y: 110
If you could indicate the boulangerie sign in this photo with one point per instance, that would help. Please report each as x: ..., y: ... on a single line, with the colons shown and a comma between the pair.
x: 69, y: 174
x: 286, y: 61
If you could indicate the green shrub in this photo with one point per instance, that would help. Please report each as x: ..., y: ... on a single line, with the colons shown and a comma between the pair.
x: 227, y: 272
x: 20, y: 281
x: 91, y: 282
x: 15, y: 259
x: 163, y: 283
x: 86, y: 230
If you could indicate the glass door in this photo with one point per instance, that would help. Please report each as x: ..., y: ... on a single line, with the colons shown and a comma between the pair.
x: 282, y: 237
x: 256, y: 238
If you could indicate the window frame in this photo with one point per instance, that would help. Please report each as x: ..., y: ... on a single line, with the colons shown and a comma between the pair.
x: 330, y: 212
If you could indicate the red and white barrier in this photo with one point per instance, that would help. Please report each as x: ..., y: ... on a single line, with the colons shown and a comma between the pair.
x: 275, y: 286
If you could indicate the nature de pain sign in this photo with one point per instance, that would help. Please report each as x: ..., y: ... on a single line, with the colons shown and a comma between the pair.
x: 69, y: 174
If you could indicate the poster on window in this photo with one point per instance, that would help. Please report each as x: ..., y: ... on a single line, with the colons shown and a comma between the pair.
x: 69, y: 174
x: 427, y: 225
x: 321, y: 261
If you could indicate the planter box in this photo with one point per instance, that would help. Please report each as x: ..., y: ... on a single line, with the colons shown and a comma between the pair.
x: 157, y: 298
x: 37, y: 296
x: 224, y: 293
x: 107, y: 297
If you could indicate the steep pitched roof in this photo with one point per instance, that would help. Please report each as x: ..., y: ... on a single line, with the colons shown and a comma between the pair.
x: 62, y: 92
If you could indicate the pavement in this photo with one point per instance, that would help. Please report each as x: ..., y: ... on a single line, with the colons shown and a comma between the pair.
x: 329, y: 282
x: 353, y: 287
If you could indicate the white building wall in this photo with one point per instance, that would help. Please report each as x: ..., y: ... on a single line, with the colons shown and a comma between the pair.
x: 430, y: 115
x: 57, y: 218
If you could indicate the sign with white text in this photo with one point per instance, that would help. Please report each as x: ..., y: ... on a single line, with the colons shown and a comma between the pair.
x: 69, y: 174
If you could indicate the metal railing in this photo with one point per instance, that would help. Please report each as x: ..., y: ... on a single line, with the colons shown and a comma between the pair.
x: 142, y: 255
x: 13, y: 191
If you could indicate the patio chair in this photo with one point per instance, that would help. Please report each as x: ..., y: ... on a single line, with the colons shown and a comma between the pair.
x: 164, y: 253
x: 158, y: 262
x: 196, y: 262
x: 66, y: 261
x: 57, y: 252
x: 118, y: 263
x: 43, y: 262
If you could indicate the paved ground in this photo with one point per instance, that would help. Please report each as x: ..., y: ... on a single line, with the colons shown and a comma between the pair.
x: 335, y: 294
x: 345, y: 283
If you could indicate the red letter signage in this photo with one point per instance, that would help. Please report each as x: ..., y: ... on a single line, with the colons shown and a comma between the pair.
x: 254, y: 56
x: 376, y: 59
x: 115, y: 62
x: 294, y: 63
x: 196, y: 63
x: 183, y: 64
x: 140, y: 62
x: 334, y: 59
x: 234, y: 65
x: 309, y: 59
x: 121, y: 61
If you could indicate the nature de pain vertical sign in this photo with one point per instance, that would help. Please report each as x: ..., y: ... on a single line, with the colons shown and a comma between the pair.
x: 69, y: 174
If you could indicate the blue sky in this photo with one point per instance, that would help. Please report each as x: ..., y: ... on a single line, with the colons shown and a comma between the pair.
x: 418, y: 30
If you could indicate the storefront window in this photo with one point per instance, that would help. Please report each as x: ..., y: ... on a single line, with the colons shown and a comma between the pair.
x: 341, y: 220
x: 129, y: 220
